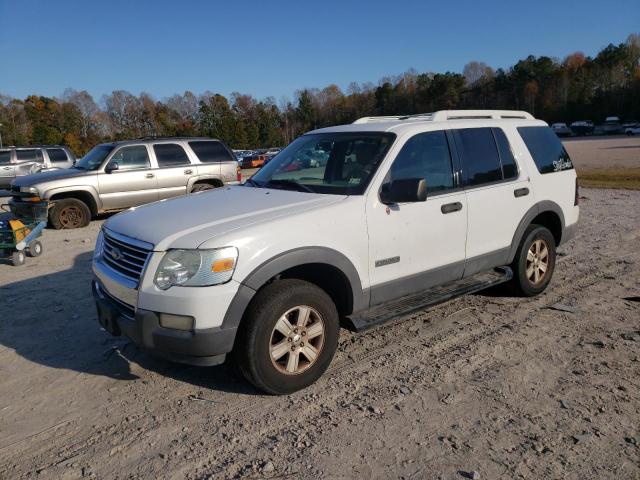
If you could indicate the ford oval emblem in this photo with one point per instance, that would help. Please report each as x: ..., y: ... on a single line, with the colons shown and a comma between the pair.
x: 115, y: 253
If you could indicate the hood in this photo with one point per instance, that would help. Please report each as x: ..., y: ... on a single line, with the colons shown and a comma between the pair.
x: 190, y: 220
x: 46, y: 176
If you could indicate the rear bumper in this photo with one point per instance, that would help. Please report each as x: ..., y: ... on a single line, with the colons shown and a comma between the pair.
x: 203, y: 347
x: 568, y: 232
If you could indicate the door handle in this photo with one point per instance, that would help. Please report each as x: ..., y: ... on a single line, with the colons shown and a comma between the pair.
x: 149, y: 175
x: 451, y: 207
x: 188, y: 171
x: 7, y: 168
x: 520, y: 192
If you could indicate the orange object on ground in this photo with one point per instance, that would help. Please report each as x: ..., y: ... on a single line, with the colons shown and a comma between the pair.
x: 18, y: 227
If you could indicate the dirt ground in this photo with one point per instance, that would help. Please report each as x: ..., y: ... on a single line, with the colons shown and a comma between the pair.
x: 510, y: 388
x: 505, y: 387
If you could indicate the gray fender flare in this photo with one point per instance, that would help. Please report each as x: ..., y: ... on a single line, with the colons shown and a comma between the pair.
x: 533, y: 212
x: 76, y: 188
x: 284, y: 261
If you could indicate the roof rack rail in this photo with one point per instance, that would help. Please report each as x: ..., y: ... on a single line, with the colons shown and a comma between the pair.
x: 444, y: 115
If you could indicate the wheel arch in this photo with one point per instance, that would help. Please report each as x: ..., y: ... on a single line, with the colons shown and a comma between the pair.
x: 327, y: 268
x: 210, y: 180
x: 545, y: 213
x: 83, y: 195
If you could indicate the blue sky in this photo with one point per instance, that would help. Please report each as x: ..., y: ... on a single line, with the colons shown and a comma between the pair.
x: 273, y: 48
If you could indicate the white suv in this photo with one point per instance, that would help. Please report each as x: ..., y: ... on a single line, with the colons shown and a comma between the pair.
x: 406, y: 212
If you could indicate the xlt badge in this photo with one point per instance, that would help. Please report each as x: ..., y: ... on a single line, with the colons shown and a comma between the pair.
x: 387, y: 261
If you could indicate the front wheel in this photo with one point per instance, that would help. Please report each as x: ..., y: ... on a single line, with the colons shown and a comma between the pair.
x: 17, y: 258
x: 69, y: 213
x: 288, y: 337
x: 534, y: 262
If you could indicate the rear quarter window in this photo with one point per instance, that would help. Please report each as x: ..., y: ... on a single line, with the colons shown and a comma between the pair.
x: 57, y: 155
x: 211, y: 151
x: 547, y: 151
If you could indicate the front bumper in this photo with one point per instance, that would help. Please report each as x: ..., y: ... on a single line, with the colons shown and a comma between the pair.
x: 202, y: 347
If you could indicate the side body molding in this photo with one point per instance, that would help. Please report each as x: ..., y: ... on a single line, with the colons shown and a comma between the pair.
x: 533, y: 212
x: 286, y: 260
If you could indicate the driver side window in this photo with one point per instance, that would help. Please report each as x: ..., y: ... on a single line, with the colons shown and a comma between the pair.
x: 131, y: 158
x: 425, y: 155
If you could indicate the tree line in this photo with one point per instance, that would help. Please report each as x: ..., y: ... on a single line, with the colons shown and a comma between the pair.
x: 578, y: 87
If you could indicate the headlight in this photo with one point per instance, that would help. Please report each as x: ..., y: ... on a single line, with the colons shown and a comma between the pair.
x: 98, y: 250
x: 196, y: 268
x: 29, y: 190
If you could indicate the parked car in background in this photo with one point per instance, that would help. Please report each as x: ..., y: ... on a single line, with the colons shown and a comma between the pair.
x: 20, y: 161
x: 119, y: 175
x: 255, y: 160
x: 582, y: 127
x: 612, y: 126
x: 241, y: 154
x: 633, y: 129
x: 408, y: 211
x: 561, y: 129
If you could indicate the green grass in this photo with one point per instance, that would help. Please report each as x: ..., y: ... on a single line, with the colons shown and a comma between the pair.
x: 624, y: 178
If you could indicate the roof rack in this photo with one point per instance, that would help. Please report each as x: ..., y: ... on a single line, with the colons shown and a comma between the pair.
x: 444, y: 115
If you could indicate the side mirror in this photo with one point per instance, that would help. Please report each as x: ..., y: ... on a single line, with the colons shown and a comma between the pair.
x: 111, y: 166
x: 406, y: 190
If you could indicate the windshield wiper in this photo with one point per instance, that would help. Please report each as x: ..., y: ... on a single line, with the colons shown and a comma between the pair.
x: 290, y: 183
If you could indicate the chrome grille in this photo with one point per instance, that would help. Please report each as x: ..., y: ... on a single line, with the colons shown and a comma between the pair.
x: 124, y: 257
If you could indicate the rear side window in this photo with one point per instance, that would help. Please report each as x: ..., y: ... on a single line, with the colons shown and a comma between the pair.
x: 426, y: 155
x: 57, y: 155
x: 548, y: 153
x: 5, y: 156
x: 211, y: 151
x: 477, y: 149
x: 509, y: 168
x: 169, y: 154
x: 32, y: 155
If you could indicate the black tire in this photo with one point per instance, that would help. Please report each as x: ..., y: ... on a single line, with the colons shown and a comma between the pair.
x: 35, y: 249
x: 17, y: 258
x: 69, y: 213
x: 258, y: 330
x: 529, y: 285
x: 202, y: 187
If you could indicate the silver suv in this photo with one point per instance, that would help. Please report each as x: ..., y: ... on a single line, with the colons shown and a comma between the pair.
x: 116, y: 176
x: 19, y: 161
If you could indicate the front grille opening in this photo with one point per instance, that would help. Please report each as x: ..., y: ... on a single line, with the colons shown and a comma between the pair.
x: 126, y: 259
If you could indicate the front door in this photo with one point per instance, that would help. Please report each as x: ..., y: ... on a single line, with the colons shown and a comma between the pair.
x: 414, y: 246
x: 132, y: 183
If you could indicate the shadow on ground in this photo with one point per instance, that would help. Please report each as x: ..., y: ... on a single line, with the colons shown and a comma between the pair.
x: 51, y: 320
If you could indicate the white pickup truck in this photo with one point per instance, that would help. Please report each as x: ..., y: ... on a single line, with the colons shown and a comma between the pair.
x: 406, y: 212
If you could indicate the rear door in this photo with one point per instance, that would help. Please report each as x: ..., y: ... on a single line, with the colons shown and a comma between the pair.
x: 6, y: 168
x: 133, y: 183
x: 174, y: 169
x: 498, y: 192
x: 28, y: 160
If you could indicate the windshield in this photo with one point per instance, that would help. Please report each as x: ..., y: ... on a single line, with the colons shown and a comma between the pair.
x: 335, y: 163
x: 95, y: 157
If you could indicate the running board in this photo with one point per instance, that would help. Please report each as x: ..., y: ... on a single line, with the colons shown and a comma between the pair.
x: 427, y: 298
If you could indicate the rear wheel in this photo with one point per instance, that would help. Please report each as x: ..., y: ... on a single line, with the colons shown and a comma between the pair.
x: 35, y: 249
x: 534, y: 262
x: 288, y: 338
x: 69, y: 213
x: 201, y: 187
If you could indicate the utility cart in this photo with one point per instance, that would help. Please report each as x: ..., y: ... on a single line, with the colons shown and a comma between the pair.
x: 20, y: 230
